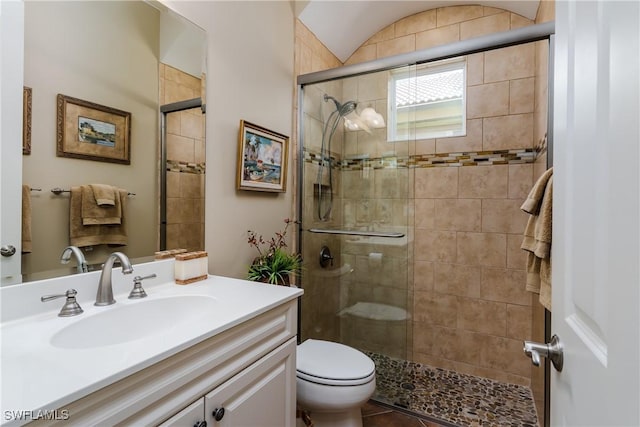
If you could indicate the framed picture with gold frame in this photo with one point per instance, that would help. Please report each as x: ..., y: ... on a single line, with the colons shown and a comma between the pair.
x: 262, y: 159
x: 90, y: 131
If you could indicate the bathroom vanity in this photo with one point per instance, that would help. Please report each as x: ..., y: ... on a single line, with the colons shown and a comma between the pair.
x: 220, y: 351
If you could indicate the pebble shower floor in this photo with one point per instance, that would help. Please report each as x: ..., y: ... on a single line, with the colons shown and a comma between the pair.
x: 452, y: 397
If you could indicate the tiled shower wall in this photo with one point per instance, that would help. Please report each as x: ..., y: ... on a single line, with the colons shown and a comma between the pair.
x: 185, y: 161
x: 470, y: 310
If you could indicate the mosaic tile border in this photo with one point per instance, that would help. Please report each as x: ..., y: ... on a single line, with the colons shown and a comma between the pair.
x: 479, y: 158
x: 185, y: 167
x: 452, y: 397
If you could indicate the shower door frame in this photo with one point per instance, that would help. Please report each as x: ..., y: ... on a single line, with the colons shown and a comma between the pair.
x: 532, y: 33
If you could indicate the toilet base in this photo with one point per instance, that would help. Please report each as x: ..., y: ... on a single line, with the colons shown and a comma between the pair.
x: 350, y: 418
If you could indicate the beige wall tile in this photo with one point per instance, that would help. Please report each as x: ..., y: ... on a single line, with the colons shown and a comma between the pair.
x: 437, y: 246
x: 485, y: 249
x: 503, y: 216
x: 472, y: 142
x: 508, y: 132
x: 173, y: 184
x: 199, y: 147
x: 455, y: 344
x: 521, y: 96
x: 520, y: 181
x: 454, y: 14
x: 391, y: 183
x: 371, y: 87
x: 475, y: 69
x: 416, y: 23
x: 425, y: 146
x: 518, y: 322
x: 438, y: 182
x: 486, y: 10
x: 387, y: 33
x: 518, y: 21
x: 488, y: 100
x: 458, y: 214
x: 190, y: 185
x: 180, y: 148
x: 362, y: 54
x: 504, y: 285
x: 423, y: 338
x: 173, y: 123
x: 482, y: 316
x: 516, y: 257
x: 483, y: 182
x: 509, y: 63
x: 437, y: 36
x: 435, y: 309
x: 486, y: 25
x: 396, y: 46
x: 456, y: 279
x: 546, y: 11
x: 425, y: 213
x: 504, y: 354
x: 423, y: 276
x: 191, y: 125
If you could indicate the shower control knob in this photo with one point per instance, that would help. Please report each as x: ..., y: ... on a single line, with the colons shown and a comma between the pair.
x: 200, y: 424
x: 325, y: 257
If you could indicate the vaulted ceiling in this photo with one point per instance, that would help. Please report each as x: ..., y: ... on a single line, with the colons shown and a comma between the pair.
x: 344, y: 25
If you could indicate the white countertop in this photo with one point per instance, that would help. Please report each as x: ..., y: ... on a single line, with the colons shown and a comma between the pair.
x: 37, y: 375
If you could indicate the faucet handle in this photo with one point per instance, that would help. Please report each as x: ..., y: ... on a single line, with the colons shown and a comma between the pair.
x: 70, y: 307
x: 137, y: 291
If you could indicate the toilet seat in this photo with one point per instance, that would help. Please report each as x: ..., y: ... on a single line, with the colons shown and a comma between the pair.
x: 331, y: 363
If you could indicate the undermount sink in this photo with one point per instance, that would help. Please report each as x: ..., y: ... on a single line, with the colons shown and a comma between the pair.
x: 130, y: 322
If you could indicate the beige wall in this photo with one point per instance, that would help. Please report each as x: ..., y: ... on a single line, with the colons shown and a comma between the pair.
x: 470, y: 309
x: 250, y: 69
x: 61, y: 56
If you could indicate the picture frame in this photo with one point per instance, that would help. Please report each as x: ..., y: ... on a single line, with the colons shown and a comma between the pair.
x: 27, y: 106
x: 86, y: 130
x: 262, y: 159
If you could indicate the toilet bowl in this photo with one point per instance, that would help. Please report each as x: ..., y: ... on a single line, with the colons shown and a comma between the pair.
x: 333, y: 382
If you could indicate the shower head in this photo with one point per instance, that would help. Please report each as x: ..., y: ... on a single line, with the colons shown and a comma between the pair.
x: 342, y: 109
x: 347, y: 111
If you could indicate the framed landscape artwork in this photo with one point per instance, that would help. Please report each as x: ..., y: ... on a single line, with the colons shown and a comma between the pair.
x: 262, y: 159
x: 90, y: 131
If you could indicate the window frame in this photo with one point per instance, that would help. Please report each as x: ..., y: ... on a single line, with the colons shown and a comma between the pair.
x: 415, y: 71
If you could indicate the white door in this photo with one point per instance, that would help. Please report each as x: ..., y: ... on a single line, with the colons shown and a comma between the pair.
x: 11, y: 78
x: 596, y: 213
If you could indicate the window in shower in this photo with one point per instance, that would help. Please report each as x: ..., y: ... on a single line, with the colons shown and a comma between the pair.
x: 427, y: 101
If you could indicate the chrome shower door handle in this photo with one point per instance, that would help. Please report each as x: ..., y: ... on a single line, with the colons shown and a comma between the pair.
x: 552, y: 351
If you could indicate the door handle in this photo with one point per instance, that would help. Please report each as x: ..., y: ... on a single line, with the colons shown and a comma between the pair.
x: 552, y: 351
x: 8, y: 250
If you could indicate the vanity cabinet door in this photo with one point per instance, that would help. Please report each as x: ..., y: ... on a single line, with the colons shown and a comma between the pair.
x: 192, y: 415
x: 262, y: 395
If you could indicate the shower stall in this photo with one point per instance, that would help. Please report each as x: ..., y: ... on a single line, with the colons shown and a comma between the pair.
x: 412, y: 171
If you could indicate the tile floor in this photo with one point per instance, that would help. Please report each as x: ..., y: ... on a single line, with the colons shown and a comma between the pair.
x: 446, y: 398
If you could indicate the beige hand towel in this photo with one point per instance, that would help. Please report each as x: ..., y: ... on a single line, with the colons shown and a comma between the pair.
x: 90, y: 235
x: 94, y: 214
x: 26, y: 219
x: 534, y: 199
x: 537, y: 239
x: 105, y: 195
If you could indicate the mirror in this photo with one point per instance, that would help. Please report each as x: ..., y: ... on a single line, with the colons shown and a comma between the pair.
x: 131, y: 56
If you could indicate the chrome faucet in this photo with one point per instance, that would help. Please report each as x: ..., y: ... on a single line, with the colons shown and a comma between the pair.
x: 82, y: 266
x: 105, y: 288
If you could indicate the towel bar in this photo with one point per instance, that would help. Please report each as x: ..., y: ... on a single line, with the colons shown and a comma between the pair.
x: 57, y: 191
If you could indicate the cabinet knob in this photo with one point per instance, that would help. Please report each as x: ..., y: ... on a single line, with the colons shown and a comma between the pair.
x: 217, y: 414
x: 200, y: 424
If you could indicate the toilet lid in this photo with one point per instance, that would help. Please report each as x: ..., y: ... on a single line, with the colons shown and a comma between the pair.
x: 333, y: 363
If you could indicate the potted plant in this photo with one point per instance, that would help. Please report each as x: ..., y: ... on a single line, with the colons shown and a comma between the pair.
x: 273, y: 264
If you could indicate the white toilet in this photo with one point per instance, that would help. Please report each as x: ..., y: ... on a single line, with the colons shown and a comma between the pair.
x: 333, y: 382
